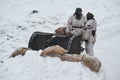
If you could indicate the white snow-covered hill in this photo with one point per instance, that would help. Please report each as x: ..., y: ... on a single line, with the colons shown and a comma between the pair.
x: 17, y: 24
x: 33, y: 67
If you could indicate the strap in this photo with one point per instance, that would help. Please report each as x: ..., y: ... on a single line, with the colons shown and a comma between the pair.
x: 70, y: 42
x: 76, y: 27
x: 89, y: 28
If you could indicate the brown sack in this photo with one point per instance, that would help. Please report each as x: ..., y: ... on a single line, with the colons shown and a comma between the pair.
x: 53, y: 51
x: 61, y: 30
x: 91, y: 62
x: 20, y: 51
x: 71, y: 57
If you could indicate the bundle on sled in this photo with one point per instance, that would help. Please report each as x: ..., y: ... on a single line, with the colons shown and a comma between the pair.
x: 41, y: 40
x: 61, y: 30
x: 56, y: 51
x: 53, y: 51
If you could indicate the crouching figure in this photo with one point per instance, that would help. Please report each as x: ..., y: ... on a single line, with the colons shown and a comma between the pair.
x: 56, y: 51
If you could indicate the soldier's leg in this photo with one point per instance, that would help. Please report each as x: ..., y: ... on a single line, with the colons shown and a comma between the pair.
x: 89, y: 48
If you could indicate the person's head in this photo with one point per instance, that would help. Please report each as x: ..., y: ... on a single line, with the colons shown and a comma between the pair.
x: 78, y: 13
x: 78, y: 10
x: 89, y: 16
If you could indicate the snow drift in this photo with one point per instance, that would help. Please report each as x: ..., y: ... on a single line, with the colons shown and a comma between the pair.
x: 32, y: 66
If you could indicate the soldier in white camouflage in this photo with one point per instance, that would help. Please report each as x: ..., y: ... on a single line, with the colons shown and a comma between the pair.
x: 90, y: 27
x: 76, y: 23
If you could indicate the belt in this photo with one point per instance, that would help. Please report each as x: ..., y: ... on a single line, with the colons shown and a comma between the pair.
x: 77, y: 27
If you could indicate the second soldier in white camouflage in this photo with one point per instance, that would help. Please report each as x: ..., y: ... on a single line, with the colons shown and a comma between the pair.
x: 90, y: 27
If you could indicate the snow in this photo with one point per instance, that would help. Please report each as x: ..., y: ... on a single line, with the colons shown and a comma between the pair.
x: 32, y: 66
x: 17, y: 24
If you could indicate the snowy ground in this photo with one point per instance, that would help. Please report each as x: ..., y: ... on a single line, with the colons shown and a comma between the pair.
x: 17, y: 23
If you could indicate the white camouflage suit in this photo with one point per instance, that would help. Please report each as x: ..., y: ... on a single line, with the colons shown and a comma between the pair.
x: 89, y: 44
x: 72, y: 21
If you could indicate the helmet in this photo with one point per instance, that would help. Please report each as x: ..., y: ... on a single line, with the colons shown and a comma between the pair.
x: 90, y: 16
x: 78, y: 10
